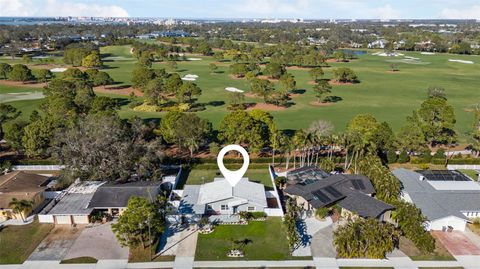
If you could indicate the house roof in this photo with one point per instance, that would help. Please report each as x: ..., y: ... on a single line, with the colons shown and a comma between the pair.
x: 73, y: 204
x: 117, y: 194
x: 364, y: 205
x: 350, y: 191
x: 195, y: 197
x: 20, y: 185
x: 437, y: 203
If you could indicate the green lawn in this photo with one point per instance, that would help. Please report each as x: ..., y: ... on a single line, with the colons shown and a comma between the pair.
x: 471, y: 173
x: 267, y: 241
x: 200, y: 176
x: 388, y: 96
x: 18, y: 242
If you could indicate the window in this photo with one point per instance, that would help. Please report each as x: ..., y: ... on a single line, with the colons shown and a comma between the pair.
x: 251, y: 208
x: 224, y: 207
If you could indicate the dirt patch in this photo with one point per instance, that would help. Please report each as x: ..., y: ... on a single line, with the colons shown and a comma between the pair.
x: 251, y: 95
x: 118, y: 90
x: 27, y: 84
x: 316, y: 103
x: 267, y: 78
x: 267, y: 107
x: 235, y: 77
x: 393, y: 72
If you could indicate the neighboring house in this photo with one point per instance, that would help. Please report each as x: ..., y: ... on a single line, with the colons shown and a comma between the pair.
x: 314, y: 188
x: 220, y: 198
x: 377, y: 44
x: 447, y: 198
x: 112, y: 198
x: 72, y: 206
x: 22, y: 186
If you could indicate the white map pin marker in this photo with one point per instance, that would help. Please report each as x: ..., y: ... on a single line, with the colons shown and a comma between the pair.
x: 233, y: 177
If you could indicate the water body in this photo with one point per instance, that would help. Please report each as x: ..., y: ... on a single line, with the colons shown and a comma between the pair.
x: 354, y: 52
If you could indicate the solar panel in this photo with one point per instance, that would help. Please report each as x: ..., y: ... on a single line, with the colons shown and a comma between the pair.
x: 321, y: 196
x: 334, y: 192
x: 358, y: 184
x: 443, y: 175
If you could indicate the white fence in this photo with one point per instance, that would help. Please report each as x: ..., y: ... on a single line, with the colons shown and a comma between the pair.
x: 38, y: 167
x: 274, y: 212
x: 463, y: 167
x: 278, y: 210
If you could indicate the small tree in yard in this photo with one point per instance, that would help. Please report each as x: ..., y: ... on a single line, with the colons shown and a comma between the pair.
x: 322, y: 212
x: 139, y: 223
x: 21, y: 207
x: 345, y: 75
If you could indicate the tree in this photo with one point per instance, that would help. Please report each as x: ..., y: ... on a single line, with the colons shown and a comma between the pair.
x: 365, y: 238
x: 191, y: 132
x: 386, y: 184
x: 261, y: 87
x: 187, y: 91
x: 316, y: 73
x: 172, y: 64
x: 275, y: 70
x: 13, y: 132
x: 7, y: 113
x: 20, y: 72
x: 146, y: 60
x: 141, y: 76
x: 102, y: 79
x: 140, y: 222
x: 345, y: 75
x: 44, y: 75
x: 102, y: 147
x: 213, y: 67
x: 92, y: 60
x: 37, y: 136
x: 236, y: 100
x: 435, y: 91
x: 411, y: 137
x: 288, y: 83
x: 155, y: 92
x: 21, y: 207
x: 321, y: 88
x: 438, y: 121
x: 26, y: 58
x: 238, y: 70
x: 5, y: 69
x: 73, y: 74
x: 173, y: 83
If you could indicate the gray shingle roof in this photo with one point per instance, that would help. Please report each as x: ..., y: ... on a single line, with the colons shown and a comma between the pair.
x: 435, y: 203
x: 364, y: 205
x: 113, y: 195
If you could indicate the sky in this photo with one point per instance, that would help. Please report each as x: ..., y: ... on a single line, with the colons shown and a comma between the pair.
x: 307, y: 9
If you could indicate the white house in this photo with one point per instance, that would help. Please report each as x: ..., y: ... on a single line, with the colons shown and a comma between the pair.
x: 447, y: 198
x: 220, y: 198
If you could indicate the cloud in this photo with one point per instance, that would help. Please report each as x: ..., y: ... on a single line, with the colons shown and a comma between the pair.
x: 272, y: 7
x: 383, y: 13
x: 54, y: 8
x: 467, y: 13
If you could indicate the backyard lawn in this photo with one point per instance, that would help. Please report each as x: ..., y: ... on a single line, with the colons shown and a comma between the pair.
x: 267, y: 240
x: 471, y: 173
x: 200, y: 176
x: 18, y: 242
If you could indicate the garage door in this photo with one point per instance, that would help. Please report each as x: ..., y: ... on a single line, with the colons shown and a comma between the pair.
x: 63, y: 220
x: 80, y: 219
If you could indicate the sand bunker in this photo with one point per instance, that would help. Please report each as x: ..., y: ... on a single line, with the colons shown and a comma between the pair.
x: 427, y: 53
x: 190, y: 77
x: 233, y: 89
x: 387, y: 54
x: 460, y: 61
x: 58, y: 70
x: 194, y: 59
x: 18, y: 96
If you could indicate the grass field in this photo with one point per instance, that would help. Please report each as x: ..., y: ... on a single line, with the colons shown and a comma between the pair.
x: 388, y: 96
x: 18, y: 242
x: 267, y: 241
x: 200, y: 176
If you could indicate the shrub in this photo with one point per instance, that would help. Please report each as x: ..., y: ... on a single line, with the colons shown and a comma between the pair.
x: 440, y: 154
x: 322, y: 212
x: 246, y: 215
x: 403, y: 157
x: 426, y: 156
x: 147, y: 108
x: 392, y: 156
x: 280, y: 181
x: 258, y: 215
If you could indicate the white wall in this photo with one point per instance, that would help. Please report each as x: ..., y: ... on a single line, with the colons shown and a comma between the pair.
x: 45, y: 218
x: 457, y: 224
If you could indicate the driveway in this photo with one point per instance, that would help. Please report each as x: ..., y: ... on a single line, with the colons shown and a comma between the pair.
x: 57, y: 243
x: 457, y: 243
x: 98, y: 242
x: 307, y: 228
x: 322, y: 243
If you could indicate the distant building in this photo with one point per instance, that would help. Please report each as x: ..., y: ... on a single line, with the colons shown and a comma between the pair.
x: 378, y: 44
x: 448, y: 199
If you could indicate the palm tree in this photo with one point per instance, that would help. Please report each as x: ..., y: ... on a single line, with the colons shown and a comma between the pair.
x: 20, y: 207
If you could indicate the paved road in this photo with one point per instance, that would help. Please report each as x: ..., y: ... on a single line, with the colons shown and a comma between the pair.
x: 469, y: 262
